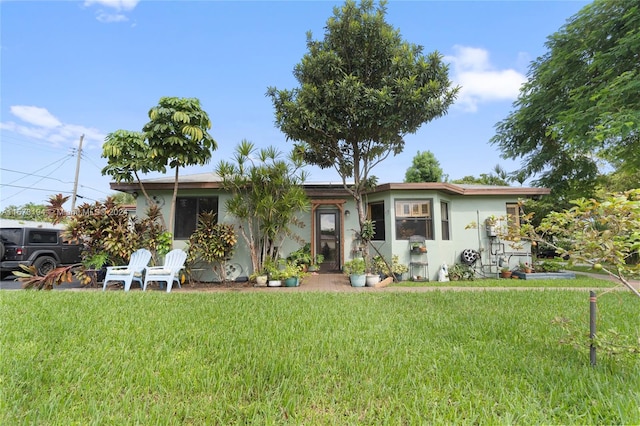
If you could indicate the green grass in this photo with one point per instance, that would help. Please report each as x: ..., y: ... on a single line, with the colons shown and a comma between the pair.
x: 580, y: 281
x: 310, y: 358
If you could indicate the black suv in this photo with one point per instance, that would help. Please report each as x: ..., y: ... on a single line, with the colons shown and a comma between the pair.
x: 43, y: 248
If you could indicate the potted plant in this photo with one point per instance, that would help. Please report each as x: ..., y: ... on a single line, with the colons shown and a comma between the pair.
x: 260, y: 278
x: 290, y: 274
x: 273, y: 271
x: 505, y: 272
x: 525, y: 267
x: 372, y: 279
x: 356, y: 270
x: 301, y: 257
x: 315, y: 263
x: 398, y: 268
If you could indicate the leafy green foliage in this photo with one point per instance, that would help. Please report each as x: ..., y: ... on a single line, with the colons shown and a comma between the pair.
x: 498, y: 177
x: 576, y: 109
x: 355, y: 266
x: 109, y: 234
x: 213, y: 243
x: 611, y: 342
x: 461, y: 272
x: 424, y: 168
x: 176, y: 135
x: 29, y: 211
x: 362, y: 89
x: 266, y: 196
x: 595, y: 232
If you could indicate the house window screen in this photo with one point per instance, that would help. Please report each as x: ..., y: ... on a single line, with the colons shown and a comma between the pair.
x: 376, y: 215
x: 414, y: 217
x: 444, y: 217
x: 187, y: 211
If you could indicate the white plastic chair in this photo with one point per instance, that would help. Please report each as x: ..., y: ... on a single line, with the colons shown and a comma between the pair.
x: 169, y: 272
x: 132, y: 272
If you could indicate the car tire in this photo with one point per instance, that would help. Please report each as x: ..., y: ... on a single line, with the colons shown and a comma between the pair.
x: 44, y: 265
x: 1, y: 250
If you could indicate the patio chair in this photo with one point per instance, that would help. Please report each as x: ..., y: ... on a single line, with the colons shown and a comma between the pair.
x: 169, y: 272
x: 131, y: 272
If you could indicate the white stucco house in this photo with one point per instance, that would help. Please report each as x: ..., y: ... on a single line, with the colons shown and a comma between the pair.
x: 439, y: 212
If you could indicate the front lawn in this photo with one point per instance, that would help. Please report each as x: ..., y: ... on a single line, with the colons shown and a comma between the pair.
x: 580, y: 281
x: 310, y: 358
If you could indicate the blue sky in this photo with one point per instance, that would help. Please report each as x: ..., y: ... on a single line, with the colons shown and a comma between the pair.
x: 92, y: 67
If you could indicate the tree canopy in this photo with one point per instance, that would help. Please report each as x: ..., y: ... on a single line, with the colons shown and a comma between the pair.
x: 175, y: 136
x: 178, y: 136
x: 498, y: 177
x: 424, y: 168
x: 362, y: 89
x: 579, y: 109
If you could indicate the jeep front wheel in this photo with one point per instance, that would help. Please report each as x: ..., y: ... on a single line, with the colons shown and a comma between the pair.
x: 44, y: 265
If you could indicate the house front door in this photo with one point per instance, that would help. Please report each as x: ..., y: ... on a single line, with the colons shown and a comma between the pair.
x: 328, y: 239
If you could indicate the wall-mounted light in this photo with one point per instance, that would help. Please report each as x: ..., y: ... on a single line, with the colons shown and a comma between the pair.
x: 347, y: 213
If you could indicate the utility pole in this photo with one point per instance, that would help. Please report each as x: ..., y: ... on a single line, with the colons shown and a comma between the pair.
x: 75, y: 182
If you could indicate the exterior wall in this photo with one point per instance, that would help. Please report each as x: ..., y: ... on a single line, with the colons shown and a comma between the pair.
x: 463, y: 211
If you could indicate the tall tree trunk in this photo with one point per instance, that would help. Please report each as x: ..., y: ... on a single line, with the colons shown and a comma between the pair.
x: 172, y: 210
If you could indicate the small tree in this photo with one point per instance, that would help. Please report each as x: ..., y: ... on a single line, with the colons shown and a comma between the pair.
x: 424, y: 168
x: 597, y: 232
x: 362, y: 89
x: 266, y: 195
x: 177, y: 134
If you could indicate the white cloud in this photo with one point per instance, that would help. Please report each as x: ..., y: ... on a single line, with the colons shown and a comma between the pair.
x: 35, y: 115
x: 42, y: 125
x: 118, y: 5
x: 479, y: 81
x: 108, y: 18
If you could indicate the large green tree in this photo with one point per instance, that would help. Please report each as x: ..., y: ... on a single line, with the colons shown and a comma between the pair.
x: 424, y: 168
x: 580, y: 108
x: 362, y: 89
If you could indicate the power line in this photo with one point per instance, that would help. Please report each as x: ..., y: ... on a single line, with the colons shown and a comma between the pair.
x: 86, y: 157
x: 38, y: 181
x: 35, y: 189
x: 34, y: 175
x: 65, y: 158
x: 94, y: 189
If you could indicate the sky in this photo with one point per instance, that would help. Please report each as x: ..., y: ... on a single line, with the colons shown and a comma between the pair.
x: 72, y: 68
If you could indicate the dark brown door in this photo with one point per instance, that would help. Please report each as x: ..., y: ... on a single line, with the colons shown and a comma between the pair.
x: 328, y: 239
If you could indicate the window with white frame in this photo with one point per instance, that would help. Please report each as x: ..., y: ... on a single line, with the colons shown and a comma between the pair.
x: 414, y: 217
